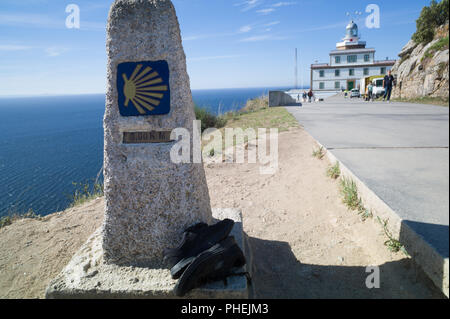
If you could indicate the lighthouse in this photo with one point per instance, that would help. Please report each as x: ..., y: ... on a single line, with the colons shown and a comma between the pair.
x: 351, y: 40
x: 349, y: 63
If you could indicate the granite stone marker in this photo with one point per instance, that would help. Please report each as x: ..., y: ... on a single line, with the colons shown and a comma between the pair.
x: 149, y: 199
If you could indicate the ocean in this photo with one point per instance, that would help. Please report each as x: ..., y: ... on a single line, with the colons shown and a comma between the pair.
x: 49, y: 143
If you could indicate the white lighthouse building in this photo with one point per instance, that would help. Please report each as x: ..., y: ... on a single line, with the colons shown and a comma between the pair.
x: 350, y: 62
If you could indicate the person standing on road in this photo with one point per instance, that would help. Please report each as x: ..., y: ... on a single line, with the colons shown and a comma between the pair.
x: 304, y: 96
x: 370, y: 91
x: 388, y: 82
x: 310, y: 94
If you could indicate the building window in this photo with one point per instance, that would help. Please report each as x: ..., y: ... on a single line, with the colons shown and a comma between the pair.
x: 321, y: 73
x: 337, y: 72
x: 351, y: 72
x: 383, y: 71
x: 366, y: 71
x: 366, y: 58
x: 337, y: 59
x: 351, y: 58
x: 337, y: 85
x: 321, y: 85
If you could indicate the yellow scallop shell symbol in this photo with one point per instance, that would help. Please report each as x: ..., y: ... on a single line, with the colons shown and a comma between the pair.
x: 143, y: 89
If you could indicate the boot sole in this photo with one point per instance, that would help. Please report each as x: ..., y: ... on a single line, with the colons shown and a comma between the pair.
x: 182, y: 286
x: 179, y: 268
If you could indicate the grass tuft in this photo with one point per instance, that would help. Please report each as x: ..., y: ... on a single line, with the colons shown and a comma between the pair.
x: 392, y: 244
x: 84, y: 193
x: 349, y: 192
x: 440, y: 45
x: 351, y: 198
x: 334, y: 171
x: 12, y: 217
x: 320, y: 153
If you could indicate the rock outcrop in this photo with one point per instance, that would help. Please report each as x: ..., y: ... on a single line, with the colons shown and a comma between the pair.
x: 422, y: 69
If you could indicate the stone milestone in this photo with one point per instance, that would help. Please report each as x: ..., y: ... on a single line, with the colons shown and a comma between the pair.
x: 149, y: 199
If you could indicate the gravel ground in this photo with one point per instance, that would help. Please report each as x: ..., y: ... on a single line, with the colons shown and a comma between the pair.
x: 304, y: 241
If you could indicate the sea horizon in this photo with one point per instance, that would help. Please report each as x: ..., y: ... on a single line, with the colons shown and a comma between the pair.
x: 49, y: 142
x: 286, y: 87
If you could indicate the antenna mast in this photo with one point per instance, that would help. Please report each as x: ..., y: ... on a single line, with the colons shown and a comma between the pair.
x: 296, y: 70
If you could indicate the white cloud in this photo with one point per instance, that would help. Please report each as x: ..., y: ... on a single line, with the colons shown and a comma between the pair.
x: 36, y: 20
x: 194, y: 37
x: 245, y: 29
x: 207, y: 36
x: 271, y: 8
x: 265, y: 37
x: 54, y: 51
x: 324, y: 27
x: 248, y: 4
x: 272, y: 23
x: 13, y: 47
x: 43, y: 21
x: 283, y: 4
x: 266, y: 11
x: 218, y: 57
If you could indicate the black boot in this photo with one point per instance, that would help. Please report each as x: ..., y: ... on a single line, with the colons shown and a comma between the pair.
x: 213, y: 264
x: 174, y: 255
x: 194, y: 242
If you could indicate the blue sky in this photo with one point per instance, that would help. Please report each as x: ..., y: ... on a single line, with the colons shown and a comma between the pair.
x: 228, y: 43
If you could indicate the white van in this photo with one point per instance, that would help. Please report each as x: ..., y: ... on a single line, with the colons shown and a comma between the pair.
x: 377, y: 83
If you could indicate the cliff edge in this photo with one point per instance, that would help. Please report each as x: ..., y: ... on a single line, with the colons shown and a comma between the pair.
x: 422, y: 69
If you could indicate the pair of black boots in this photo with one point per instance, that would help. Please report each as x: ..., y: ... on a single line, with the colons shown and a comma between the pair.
x: 205, y: 254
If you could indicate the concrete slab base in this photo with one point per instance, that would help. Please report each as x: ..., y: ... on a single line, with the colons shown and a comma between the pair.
x: 87, y: 276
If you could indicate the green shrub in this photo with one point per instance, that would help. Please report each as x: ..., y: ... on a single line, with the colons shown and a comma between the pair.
x: 84, y: 193
x: 208, y: 119
x: 430, y: 18
x: 256, y: 104
x: 5, y: 221
x: 440, y: 45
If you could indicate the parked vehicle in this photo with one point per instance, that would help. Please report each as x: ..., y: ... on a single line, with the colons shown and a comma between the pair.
x: 354, y: 93
x: 377, y: 83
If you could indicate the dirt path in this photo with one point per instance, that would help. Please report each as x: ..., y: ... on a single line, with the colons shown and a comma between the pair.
x: 33, y: 252
x: 305, y: 242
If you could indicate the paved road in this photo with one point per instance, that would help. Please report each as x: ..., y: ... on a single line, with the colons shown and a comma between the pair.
x: 399, y: 150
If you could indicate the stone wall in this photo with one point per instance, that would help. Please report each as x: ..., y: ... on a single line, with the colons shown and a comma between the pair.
x: 419, y: 75
x: 280, y: 98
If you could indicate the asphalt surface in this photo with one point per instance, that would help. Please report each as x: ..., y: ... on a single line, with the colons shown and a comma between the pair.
x: 399, y: 150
